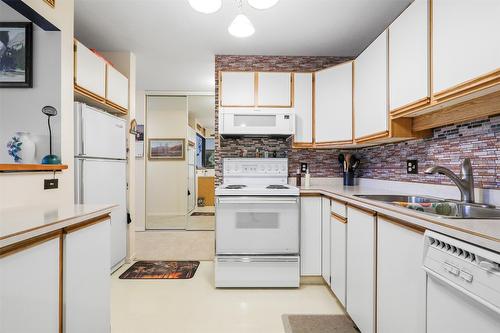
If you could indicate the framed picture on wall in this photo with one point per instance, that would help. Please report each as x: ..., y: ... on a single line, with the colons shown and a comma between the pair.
x: 166, y: 149
x: 16, y: 55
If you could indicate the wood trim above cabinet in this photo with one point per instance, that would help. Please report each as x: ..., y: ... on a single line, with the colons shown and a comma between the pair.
x: 485, y: 81
x: 405, y: 110
x: 87, y: 223
x: 403, y: 224
x: 362, y: 209
x: 28, y: 243
x: 373, y: 136
x: 338, y: 218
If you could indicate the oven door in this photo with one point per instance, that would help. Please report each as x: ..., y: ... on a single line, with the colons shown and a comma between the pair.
x: 257, y: 225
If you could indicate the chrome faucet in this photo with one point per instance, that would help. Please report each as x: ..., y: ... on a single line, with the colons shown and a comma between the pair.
x: 465, y: 182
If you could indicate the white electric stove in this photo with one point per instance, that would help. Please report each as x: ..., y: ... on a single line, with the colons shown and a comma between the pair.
x: 257, y: 225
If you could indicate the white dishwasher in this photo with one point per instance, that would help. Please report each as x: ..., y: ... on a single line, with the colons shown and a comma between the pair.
x: 463, y: 286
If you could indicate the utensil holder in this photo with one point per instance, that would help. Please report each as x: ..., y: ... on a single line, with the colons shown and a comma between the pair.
x: 349, y: 178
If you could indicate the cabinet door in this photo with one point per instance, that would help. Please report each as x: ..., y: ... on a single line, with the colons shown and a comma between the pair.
x: 370, y: 90
x: 401, y: 281
x: 274, y: 89
x: 338, y: 239
x: 29, y: 289
x: 325, y: 239
x: 117, y: 87
x: 303, y: 107
x: 310, y: 236
x: 90, y: 71
x: 361, y: 258
x: 334, y: 104
x: 237, y: 89
x: 464, y: 42
x: 87, y: 279
x: 409, y: 56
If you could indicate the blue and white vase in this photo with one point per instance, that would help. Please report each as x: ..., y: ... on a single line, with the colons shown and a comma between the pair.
x: 22, y: 148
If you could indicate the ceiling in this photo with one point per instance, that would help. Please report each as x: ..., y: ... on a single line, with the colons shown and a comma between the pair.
x: 202, y: 108
x: 175, y: 45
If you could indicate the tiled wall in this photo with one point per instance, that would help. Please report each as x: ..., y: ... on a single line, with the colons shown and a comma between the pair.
x: 236, y: 147
x: 479, y: 140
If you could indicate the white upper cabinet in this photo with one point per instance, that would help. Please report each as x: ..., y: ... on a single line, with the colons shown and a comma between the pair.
x: 237, y: 89
x: 333, y: 96
x: 274, y: 89
x: 465, y: 41
x: 370, y: 89
x: 409, y: 56
x: 90, y: 71
x: 117, y: 87
x: 303, y: 107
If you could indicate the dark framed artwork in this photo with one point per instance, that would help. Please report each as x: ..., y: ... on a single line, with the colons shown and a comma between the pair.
x: 16, y: 55
x: 166, y: 149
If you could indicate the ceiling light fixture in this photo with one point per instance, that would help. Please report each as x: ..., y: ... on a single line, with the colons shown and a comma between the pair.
x: 241, y: 27
x: 206, y: 6
x: 262, y: 4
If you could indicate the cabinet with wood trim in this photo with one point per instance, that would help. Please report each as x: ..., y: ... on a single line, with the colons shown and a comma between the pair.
x: 237, y: 89
x: 409, y: 59
x: 90, y: 72
x: 310, y: 236
x: 401, y: 281
x: 117, y: 92
x: 338, y: 258
x: 325, y: 239
x: 29, y: 287
x: 361, y: 267
x: 87, y: 281
x: 274, y: 89
x: 303, y: 105
x: 465, y: 55
x: 333, y: 101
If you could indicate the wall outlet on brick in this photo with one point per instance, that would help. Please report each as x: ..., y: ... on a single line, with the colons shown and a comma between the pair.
x: 412, y: 166
x: 303, y: 167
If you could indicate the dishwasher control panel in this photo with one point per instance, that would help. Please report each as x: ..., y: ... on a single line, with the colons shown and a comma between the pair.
x: 463, y: 265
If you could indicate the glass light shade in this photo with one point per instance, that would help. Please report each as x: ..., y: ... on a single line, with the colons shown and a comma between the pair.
x: 206, y: 6
x: 262, y: 4
x: 241, y: 27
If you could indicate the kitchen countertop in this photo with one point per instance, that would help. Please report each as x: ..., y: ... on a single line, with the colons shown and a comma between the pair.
x: 22, y: 223
x: 485, y: 233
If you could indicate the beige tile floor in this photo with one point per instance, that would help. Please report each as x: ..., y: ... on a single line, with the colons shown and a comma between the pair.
x: 183, y: 222
x: 195, y: 306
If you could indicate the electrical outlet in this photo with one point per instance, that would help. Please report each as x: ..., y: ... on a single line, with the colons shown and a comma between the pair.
x: 412, y: 166
x: 303, y: 167
x: 49, y: 184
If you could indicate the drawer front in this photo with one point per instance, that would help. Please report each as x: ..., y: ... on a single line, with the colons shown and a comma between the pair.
x: 339, y: 208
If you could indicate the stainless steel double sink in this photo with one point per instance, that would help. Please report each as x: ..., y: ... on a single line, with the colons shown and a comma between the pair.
x: 445, y: 208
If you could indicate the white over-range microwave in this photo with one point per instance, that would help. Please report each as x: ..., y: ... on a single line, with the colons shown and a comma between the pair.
x: 258, y: 122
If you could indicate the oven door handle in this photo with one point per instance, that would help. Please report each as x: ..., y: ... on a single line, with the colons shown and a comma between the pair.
x: 257, y: 201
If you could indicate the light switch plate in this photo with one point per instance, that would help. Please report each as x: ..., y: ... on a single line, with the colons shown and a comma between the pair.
x: 50, y: 184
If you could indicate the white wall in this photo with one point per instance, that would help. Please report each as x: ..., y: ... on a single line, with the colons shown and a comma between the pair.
x: 166, y: 186
x: 20, y: 108
x: 23, y: 189
x: 140, y: 168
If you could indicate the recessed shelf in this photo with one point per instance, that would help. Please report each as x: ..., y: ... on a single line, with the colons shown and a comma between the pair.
x: 32, y: 167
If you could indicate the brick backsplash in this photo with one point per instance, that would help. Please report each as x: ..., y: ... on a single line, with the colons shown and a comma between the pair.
x: 448, y: 145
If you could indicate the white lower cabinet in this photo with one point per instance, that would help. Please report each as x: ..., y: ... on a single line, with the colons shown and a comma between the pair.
x: 87, y: 279
x: 29, y: 289
x: 361, y: 261
x: 338, y: 243
x: 310, y: 236
x: 325, y: 239
x: 401, y: 281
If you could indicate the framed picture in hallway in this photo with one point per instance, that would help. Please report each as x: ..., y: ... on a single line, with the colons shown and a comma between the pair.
x: 166, y: 149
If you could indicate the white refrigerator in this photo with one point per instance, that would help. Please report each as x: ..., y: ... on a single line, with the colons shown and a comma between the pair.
x: 101, y: 170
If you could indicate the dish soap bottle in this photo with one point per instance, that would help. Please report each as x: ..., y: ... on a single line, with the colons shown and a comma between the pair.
x: 307, y: 178
x: 298, y: 178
